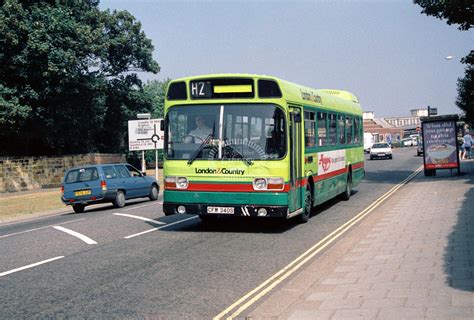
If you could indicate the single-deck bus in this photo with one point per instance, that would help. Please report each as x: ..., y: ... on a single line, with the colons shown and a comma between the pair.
x: 258, y: 146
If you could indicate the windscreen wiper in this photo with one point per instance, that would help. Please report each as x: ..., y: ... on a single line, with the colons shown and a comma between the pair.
x: 236, y: 151
x: 201, y: 146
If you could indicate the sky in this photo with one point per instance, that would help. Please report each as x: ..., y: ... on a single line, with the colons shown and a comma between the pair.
x: 386, y: 52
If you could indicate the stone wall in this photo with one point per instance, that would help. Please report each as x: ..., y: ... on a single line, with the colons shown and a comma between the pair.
x: 21, y: 174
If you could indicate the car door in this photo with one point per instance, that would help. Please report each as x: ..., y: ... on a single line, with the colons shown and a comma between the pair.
x: 112, y: 178
x: 142, y: 185
x: 125, y: 181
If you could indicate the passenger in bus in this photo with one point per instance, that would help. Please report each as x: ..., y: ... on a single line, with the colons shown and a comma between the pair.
x: 274, y: 144
x: 200, y: 133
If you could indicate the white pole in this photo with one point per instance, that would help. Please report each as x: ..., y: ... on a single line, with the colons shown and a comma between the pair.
x: 221, y: 120
x: 143, y: 161
x: 156, y: 164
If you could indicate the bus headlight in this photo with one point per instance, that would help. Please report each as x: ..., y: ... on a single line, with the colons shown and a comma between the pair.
x: 260, y: 184
x: 176, y: 183
x: 182, y: 183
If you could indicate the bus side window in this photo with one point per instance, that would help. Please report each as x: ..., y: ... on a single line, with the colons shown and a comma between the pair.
x: 356, y: 130
x: 309, y: 134
x: 342, y: 130
x: 322, y: 129
x: 332, y: 129
x: 349, y: 135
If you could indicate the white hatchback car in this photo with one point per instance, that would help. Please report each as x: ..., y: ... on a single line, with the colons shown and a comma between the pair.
x: 380, y: 150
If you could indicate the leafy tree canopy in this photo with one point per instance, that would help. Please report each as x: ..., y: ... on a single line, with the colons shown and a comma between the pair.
x: 457, y: 12
x: 67, y: 81
x: 454, y: 11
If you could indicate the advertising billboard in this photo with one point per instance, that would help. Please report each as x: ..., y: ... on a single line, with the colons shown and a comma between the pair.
x: 440, y: 143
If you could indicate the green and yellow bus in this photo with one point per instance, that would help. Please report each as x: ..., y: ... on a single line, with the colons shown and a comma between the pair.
x: 258, y: 146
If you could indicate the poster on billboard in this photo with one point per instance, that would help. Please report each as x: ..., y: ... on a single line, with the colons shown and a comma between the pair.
x: 440, y: 143
x: 145, y: 134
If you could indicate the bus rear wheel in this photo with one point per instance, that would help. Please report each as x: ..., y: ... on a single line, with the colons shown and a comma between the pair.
x: 308, y: 204
x: 347, y: 193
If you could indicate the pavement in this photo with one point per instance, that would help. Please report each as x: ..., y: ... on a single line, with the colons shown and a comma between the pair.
x: 411, y: 258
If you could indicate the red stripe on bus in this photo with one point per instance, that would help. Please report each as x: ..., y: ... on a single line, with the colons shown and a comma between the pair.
x: 226, y: 187
x: 329, y: 175
x: 358, y: 165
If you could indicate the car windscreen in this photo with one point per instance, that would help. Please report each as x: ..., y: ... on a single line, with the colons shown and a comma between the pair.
x: 82, y: 175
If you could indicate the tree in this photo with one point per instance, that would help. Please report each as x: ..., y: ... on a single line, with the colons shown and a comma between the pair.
x: 465, y: 99
x: 67, y: 81
x: 459, y: 12
x: 156, y: 90
x: 454, y: 11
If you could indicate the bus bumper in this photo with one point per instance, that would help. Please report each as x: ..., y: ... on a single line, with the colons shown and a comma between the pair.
x: 170, y: 208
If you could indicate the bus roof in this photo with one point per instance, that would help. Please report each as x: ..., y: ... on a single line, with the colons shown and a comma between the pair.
x: 338, y: 100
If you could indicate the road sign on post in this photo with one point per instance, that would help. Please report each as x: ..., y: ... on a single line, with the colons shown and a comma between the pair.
x: 145, y: 134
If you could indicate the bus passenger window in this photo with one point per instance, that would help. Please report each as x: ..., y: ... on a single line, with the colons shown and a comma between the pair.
x: 332, y: 129
x: 309, y: 134
x: 350, y: 137
x: 322, y: 129
x: 342, y: 130
x: 356, y: 130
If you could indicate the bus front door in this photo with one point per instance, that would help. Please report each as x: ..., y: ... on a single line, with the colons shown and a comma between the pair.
x: 296, y: 191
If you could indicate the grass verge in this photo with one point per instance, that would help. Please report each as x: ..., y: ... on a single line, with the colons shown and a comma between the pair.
x: 23, y: 204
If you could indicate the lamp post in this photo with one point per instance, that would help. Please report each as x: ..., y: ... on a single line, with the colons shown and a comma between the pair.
x: 146, y: 116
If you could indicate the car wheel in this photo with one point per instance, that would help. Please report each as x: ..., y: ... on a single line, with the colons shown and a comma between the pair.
x: 347, y: 193
x: 308, y: 204
x: 78, y: 208
x: 153, y: 193
x: 119, y: 201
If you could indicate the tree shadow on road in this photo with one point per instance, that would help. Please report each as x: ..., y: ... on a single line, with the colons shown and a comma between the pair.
x: 459, y: 253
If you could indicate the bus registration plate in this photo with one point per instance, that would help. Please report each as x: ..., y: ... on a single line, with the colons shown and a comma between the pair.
x: 221, y: 210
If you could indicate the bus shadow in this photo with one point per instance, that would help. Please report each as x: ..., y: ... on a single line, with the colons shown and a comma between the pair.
x: 229, y: 224
x: 237, y: 225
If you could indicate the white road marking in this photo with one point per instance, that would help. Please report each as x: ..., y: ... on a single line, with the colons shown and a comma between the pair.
x: 138, y: 217
x: 154, y: 229
x: 82, y: 237
x: 136, y: 207
x: 26, y: 231
x: 29, y: 266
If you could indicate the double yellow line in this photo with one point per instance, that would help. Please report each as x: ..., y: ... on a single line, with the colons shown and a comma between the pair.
x: 253, y: 296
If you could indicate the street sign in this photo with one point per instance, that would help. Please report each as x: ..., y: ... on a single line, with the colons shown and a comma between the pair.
x: 145, y: 134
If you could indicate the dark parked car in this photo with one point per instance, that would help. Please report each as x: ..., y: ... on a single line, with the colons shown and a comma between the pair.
x: 99, y: 183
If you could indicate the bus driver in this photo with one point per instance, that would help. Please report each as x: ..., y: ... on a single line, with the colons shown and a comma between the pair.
x: 200, y: 133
